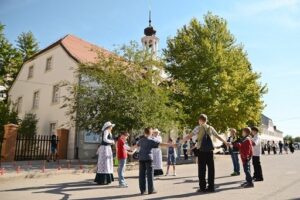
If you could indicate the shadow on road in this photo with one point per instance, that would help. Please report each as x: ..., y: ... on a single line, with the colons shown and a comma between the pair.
x: 62, y: 188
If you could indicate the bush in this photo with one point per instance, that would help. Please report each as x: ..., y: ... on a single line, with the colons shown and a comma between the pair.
x: 28, y: 125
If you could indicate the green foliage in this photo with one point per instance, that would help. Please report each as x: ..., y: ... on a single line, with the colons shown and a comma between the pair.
x: 297, y: 139
x: 11, y: 58
x: 122, y: 88
x: 214, y: 75
x: 288, y: 138
x: 28, y: 125
x: 27, y: 44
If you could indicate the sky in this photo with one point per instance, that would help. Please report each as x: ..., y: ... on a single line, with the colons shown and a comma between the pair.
x: 268, y: 29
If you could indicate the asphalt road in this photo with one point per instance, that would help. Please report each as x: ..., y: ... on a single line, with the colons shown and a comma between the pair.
x: 281, y: 173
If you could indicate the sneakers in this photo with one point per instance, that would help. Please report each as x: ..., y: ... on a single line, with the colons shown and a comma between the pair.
x: 258, y: 179
x: 174, y: 174
x: 249, y: 185
x: 235, y: 174
x: 167, y: 174
x: 201, y: 190
x: 243, y: 184
x: 123, y: 186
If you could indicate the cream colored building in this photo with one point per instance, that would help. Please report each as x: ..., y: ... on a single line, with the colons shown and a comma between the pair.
x: 37, y: 88
x: 269, y: 131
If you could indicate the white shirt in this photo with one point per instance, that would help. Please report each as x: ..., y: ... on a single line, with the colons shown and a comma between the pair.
x: 256, y: 145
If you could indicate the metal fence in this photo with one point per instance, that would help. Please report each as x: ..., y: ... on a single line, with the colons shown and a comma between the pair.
x: 36, y: 147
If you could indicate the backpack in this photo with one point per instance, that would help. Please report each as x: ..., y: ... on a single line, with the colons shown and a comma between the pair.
x: 206, y: 143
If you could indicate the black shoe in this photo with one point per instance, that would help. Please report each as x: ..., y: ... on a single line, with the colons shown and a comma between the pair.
x: 153, y: 192
x: 201, y: 190
x: 142, y: 193
x: 258, y: 179
x: 243, y: 184
x: 210, y: 190
x: 249, y: 185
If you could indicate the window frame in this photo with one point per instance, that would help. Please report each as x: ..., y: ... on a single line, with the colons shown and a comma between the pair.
x: 30, y: 72
x: 53, y: 101
x: 33, y: 101
x: 49, y: 68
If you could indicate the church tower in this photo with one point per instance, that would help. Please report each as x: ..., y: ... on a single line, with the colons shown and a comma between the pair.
x: 150, y: 41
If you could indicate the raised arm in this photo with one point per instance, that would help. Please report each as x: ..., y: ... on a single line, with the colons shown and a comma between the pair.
x: 214, y: 132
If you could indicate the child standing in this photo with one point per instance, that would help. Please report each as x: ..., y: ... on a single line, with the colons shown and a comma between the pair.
x: 258, y: 175
x: 122, y: 155
x: 171, y: 156
x: 53, y: 154
x: 245, y: 147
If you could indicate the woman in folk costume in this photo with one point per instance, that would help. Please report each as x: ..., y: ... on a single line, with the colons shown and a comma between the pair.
x: 157, y: 155
x: 104, y: 174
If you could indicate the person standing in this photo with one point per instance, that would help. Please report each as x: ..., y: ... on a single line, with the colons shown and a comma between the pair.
x: 171, y: 157
x: 246, y: 152
x: 122, y: 155
x: 256, y: 142
x: 185, y: 150
x: 262, y: 148
x: 286, y: 147
x: 280, y: 144
x: 53, y: 154
x: 274, y: 147
x: 178, y: 148
x: 157, y: 154
x: 234, y: 152
x: 205, y: 153
x: 268, y: 147
x: 104, y: 174
x: 291, y: 146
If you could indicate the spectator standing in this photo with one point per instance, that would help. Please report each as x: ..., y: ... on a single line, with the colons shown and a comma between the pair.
x: 185, y: 150
x: 178, y: 148
x: 280, y: 144
x: 234, y: 152
x: 258, y: 175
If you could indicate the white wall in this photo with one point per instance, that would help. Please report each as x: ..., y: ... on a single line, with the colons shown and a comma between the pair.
x: 63, y: 67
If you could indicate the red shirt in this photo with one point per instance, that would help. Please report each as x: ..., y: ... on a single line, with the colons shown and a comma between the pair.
x: 121, y: 149
x: 245, y: 148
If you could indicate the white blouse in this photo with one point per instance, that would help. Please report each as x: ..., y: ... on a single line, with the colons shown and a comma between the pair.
x: 105, y: 137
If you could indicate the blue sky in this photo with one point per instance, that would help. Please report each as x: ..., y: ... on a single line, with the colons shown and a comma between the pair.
x: 269, y: 30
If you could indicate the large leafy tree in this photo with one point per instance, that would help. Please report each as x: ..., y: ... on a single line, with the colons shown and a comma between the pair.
x: 124, y: 88
x: 12, y: 58
x: 215, y: 74
x: 27, y: 44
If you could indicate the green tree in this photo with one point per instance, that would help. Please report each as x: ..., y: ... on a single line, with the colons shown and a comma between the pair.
x: 297, y: 139
x: 215, y: 75
x: 28, y: 125
x: 288, y: 138
x: 27, y: 45
x: 10, y: 61
x: 125, y: 89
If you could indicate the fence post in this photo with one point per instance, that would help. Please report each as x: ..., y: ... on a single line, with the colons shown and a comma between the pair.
x: 63, y: 137
x: 9, y: 142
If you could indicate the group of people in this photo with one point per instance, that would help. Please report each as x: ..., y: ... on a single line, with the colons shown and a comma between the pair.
x: 150, y: 155
x: 286, y: 146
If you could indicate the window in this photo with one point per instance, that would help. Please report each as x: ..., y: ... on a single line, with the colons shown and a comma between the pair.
x: 36, y: 97
x: 30, y: 72
x: 48, y: 63
x: 52, y: 129
x: 55, y: 94
x: 19, y: 105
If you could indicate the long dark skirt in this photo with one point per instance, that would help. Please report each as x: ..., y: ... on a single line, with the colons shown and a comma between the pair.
x: 104, y: 179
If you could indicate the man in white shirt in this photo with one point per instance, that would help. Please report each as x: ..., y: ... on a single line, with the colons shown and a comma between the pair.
x: 256, y: 142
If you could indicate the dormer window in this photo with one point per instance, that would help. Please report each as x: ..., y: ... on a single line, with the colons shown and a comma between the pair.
x: 49, y: 63
x: 30, y: 72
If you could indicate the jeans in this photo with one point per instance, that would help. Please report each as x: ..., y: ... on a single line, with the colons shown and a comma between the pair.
x: 206, y: 159
x: 235, y: 161
x: 121, y: 169
x: 146, y: 169
x: 257, y: 168
x: 247, y: 171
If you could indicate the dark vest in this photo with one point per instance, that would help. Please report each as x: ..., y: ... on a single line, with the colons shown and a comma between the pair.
x: 108, y: 137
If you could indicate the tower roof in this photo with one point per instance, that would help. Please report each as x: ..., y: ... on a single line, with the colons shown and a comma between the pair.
x: 149, y: 31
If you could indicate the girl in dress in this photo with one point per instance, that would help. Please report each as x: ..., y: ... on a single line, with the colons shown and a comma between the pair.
x: 171, y: 156
x: 157, y: 154
x: 104, y: 174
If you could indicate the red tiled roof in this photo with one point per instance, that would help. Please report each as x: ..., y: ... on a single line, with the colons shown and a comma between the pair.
x: 79, y: 49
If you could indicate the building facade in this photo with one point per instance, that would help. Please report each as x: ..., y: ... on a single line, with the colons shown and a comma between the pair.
x: 269, y: 131
x: 40, y: 87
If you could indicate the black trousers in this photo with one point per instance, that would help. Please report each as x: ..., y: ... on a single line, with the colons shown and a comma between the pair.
x: 257, y: 168
x: 185, y: 154
x: 146, y: 169
x: 206, y: 159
